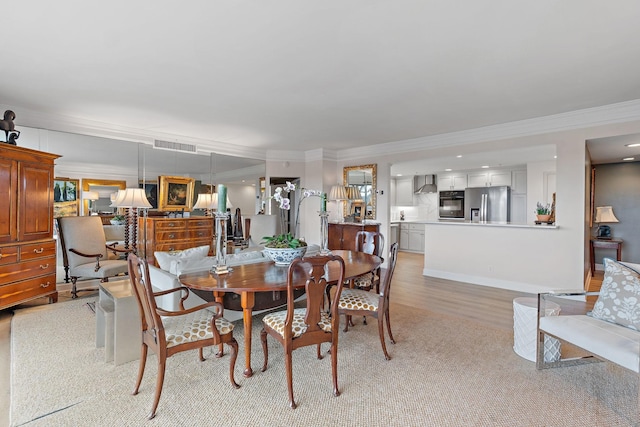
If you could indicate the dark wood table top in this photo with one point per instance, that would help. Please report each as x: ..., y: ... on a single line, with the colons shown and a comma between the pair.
x: 266, y: 276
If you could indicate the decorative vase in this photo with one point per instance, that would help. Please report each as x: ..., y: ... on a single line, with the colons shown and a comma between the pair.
x: 284, y: 256
x: 543, y: 218
x: 117, y: 222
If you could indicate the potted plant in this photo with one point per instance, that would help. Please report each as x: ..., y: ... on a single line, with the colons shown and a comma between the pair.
x: 284, y: 248
x: 543, y: 212
x: 117, y: 220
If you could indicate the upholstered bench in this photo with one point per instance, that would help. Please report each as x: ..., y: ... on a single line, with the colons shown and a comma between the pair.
x: 610, y: 331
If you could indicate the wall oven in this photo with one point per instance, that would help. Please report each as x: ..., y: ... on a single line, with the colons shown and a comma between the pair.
x: 451, y: 204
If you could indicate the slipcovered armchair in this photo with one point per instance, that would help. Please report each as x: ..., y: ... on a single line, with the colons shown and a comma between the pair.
x: 85, y: 252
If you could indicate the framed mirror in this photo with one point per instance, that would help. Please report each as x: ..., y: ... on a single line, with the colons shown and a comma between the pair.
x: 104, y: 187
x: 361, y: 188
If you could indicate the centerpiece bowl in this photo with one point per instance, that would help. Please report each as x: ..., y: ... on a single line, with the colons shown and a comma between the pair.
x: 284, y: 256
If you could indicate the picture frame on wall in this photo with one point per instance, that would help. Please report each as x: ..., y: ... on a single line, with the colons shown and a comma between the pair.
x: 66, y: 197
x: 176, y: 193
x: 151, y: 191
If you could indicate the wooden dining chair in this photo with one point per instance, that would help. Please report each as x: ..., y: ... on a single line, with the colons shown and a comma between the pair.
x: 300, y: 327
x: 371, y: 242
x: 358, y: 302
x: 170, y: 332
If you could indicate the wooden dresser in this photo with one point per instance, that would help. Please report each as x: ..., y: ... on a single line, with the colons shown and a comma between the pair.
x: 343, y: 235
x: 27, y: 247
x: 173, y: 234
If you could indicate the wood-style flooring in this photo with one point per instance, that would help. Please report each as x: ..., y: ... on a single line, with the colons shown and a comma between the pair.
x: 486, y: 305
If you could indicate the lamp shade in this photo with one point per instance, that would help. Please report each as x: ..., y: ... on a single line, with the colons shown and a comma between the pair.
x: 115, y: 197
x: 605, y: 214
x: 204, y: 202
x: 338, y: 192
x: 90, y: 195
x: 353, y: 193
x: 132, y: 198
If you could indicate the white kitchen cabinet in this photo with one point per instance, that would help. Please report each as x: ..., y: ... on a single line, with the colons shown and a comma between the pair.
x: 404, y: 191
x: 489, y: 178
x: 411, y: 237
x: 518, y: 208
x: 452, y: 182
x: 519, y: 181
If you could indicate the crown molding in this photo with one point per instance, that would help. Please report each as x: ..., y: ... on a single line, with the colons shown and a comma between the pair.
x: 597, y: 116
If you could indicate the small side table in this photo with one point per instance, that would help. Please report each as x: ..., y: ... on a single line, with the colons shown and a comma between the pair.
x: 118, y: 322
x: 525, y: 329
x: 604, y: 244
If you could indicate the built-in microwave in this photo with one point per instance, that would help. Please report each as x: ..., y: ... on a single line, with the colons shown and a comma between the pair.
x: 451, y: 205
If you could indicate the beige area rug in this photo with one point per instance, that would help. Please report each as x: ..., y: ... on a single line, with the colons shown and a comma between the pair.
x: 444, y: 372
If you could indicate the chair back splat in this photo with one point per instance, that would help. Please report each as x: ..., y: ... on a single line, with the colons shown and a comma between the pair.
x: 309, y: 325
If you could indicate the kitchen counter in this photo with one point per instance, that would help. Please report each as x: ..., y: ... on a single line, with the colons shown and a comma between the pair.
x: 488, y: 224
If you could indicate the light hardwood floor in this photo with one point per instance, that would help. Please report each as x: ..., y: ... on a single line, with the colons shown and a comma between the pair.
x: 486, y: 305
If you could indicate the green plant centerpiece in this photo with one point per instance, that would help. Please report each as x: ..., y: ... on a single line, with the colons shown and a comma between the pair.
x: 284, y: 248
x: 543, y: 209
x: 117, y: 220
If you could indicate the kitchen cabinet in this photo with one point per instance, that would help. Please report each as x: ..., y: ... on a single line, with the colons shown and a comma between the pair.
x: 342, y: 235
x: 411, y: 237
x: 519, y: 181
x: 490, y: 178
x: 27, y: 247
x: 404, y: 191
x: 452, y: 182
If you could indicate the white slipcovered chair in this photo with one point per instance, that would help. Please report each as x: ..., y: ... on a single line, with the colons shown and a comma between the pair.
x: 85, y: 251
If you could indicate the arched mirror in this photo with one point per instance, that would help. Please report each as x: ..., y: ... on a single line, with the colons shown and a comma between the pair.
x: 361, y: 190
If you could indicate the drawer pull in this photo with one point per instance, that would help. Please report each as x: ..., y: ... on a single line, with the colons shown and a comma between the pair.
x: 45, y: 285
x: 200, y: 234
x: 44, y: 267
x: 171, y: 224
x: 171, y: 249
x: 38, y: 251
x: 172, y: 236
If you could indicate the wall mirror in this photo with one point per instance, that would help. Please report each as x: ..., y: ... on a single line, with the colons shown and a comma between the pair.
x: 105, y: 188
x: 361, y: 187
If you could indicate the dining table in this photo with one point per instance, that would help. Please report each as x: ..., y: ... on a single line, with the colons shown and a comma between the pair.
x: 249, y: 279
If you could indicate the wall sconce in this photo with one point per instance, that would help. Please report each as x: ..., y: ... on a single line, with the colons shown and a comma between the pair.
x: 91, y: 196
x: 604, y: 214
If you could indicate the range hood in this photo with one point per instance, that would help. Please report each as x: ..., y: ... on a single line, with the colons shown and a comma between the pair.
x: 424, y: 184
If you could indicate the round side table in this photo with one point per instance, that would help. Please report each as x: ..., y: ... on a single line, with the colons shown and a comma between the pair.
x: 525, y: 323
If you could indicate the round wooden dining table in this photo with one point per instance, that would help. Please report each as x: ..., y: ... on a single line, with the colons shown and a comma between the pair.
x: 247, y: 280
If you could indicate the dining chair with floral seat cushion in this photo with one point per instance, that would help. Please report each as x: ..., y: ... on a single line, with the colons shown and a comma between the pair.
x: 358, y: 302
x: 300, y: 327
x: 171, y: 332
x: 85, y: 251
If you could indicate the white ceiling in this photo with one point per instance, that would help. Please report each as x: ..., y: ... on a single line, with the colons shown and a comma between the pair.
x: 296, y: 75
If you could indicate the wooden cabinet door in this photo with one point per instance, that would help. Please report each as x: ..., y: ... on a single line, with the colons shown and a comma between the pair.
x: 349, y: 237
x: 8, y: 203
x: 335, y: 237
x: 35, y: 207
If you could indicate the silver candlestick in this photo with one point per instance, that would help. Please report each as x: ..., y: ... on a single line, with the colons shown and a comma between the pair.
x: 221, y: 243
x: 324, y: 233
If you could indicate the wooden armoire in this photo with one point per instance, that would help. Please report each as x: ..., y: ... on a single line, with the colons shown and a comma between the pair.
x: 27, y: 247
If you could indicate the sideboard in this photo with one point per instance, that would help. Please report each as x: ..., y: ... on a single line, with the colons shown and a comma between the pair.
x: 342, y: 235
x: 173, y: 234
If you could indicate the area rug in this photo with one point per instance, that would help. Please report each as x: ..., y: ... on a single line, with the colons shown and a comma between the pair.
x: 444, y: 371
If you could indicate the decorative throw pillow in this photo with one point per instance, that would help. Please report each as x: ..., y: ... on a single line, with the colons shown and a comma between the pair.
x: 190, y: 265
x: 164, y: 259
x: 619, y: 300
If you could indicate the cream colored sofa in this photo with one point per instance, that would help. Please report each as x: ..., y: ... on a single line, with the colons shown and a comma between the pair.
x: 610, y: 332
x: 164, y: 279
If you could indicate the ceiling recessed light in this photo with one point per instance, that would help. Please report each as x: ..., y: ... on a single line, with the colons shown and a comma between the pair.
x: 628, y: 159
x: 459, y: 156
x: 485, y: 167
x: 448, y: 170
x: 399, y: 174
x: 635, y: 144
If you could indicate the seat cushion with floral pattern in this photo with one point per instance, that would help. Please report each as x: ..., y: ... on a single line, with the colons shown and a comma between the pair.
x: 366, y: 280
x: 357, y: 299
x: 193, y: 327
x: 276, y: 322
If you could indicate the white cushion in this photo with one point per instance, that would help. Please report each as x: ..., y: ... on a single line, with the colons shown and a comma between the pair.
x: 607, y: 340
x: 190, y: 265
x: 164, y: 259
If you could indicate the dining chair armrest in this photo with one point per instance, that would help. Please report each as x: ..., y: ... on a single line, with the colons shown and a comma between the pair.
x: 112, y: 247
x: 98, y: 256
x: 216, y: 304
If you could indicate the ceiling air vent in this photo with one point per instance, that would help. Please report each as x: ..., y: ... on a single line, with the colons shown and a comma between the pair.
x: 175, y: 146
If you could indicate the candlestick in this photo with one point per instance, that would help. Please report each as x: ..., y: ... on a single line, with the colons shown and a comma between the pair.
x: 222, y: 198
x: 324, y: 233
x: 323, y: 202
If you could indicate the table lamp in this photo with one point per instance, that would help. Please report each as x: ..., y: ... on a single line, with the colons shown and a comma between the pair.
x: 91, y: 196
x: 132, y: 199
x: 604, y: 214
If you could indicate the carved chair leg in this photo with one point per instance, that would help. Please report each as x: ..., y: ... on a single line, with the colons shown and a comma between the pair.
x: 386, y: 315
x: 334, y: 368
x: 201, y: 354
x: 162, y: 364
x: 289, y: 369
x: 265, y: 349
x: 143, y: 361
x: 382, y: 340
x: 232, y: 363
x: 74, y: 290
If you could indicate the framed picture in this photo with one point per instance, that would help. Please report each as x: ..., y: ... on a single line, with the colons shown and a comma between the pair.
x: 176, y: 193
x: 66, y: 197
x: 151, y: 191
x: 357, y: 209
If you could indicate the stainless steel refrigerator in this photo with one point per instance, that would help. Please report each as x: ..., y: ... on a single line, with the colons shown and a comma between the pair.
x: 488, y: 204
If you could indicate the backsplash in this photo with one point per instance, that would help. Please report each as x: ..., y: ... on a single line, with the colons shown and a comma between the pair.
x: 425, y: 207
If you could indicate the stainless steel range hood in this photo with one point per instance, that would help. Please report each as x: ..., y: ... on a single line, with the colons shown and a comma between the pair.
x: 424, y: 184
